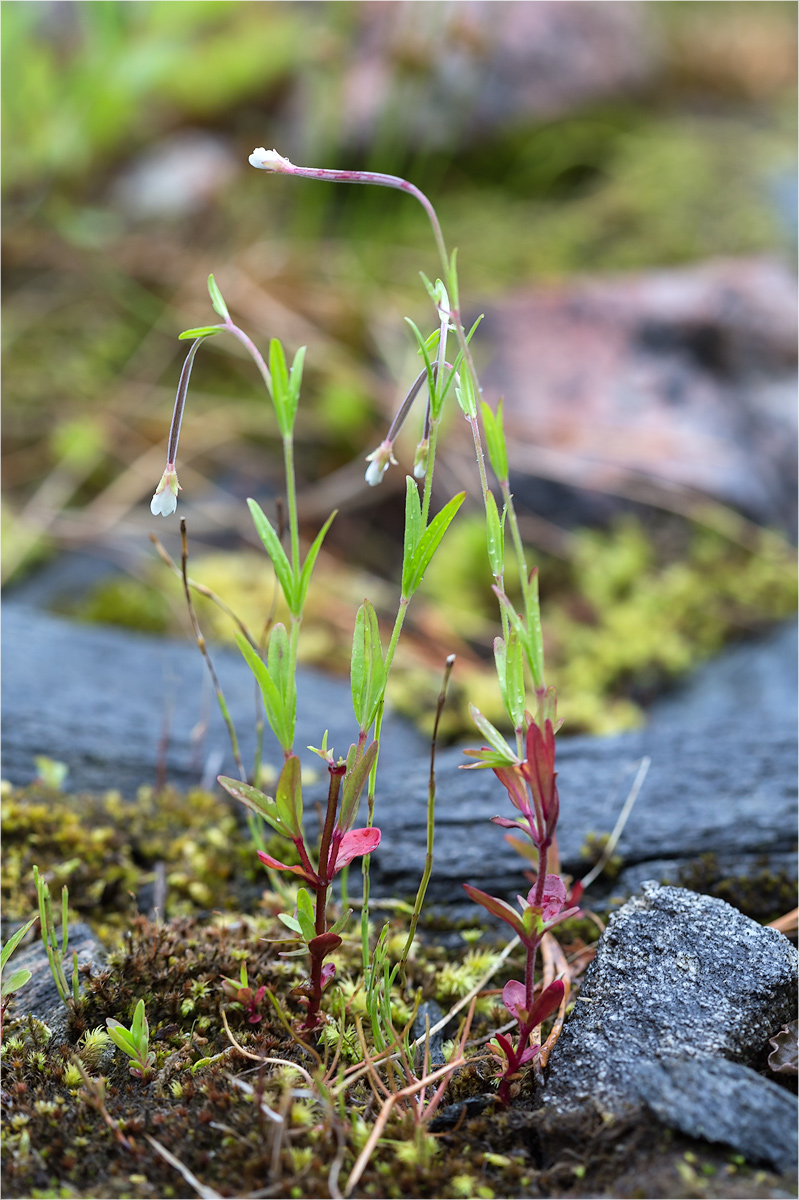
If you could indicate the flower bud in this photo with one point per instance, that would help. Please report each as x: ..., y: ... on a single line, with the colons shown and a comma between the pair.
x: 379, y: 461
x: 268, y: 160
x: 165, y: 500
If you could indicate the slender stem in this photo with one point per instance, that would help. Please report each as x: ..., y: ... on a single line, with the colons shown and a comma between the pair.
x: 180, y: 402
x: 381, y: 180
x: 220, y: 696
x: 336, y: 774
x: 253, y: 351
x: 431, y: 817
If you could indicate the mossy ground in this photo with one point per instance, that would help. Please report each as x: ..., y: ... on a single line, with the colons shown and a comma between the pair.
x: 244, y: 1129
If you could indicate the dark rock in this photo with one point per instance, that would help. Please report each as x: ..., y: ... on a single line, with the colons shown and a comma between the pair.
x: 650, y: 386
x: 111, y: 704
x: 722, y: 780
x: 722, y: 1101
x: 680, y: 979
x: 40, y: 995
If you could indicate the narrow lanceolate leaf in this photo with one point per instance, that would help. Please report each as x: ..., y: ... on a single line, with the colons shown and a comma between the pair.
x: 282, y: 728
x: 216, y: 299
x: 277, y: 554
x: 13, y: 942
x: 498, y: 908
x: 495, y: 537
x: 495, y: 440
x: 139, y: 1027
x: 278, y: 664
x: 295, y: 377
x: 413, y: 530
x: 264, y: 806
x: 281, y: 397
x: 428, y: 544
x: 200, y: 331
x: 308, y: 565
x: 353, y: 787
x: 517, y: 623
x: 367, y: 669
x: 121, y: 1037
x: 492, y: 735
x: 465, y: 395
x: 514, y: 680
x: 535, y: 643
x: 288, y: 796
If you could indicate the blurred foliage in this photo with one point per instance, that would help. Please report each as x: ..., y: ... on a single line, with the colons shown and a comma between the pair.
x: 625, y: 615
x: 94, y: 299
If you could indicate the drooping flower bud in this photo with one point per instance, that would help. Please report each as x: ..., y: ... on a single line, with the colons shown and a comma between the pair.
x: 420, y: 459
x: 379, y: 461
x: 165, y: 500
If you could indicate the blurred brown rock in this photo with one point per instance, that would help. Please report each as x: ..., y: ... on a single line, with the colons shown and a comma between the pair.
x: 440, y: 73
x: 668, y: 383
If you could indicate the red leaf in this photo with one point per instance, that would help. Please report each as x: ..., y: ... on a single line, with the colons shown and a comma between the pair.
x: 295, y: 870
x: 354, y: 844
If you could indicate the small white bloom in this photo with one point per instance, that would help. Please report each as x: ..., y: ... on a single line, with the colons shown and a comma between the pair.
x: 420, y: 459
x: 268, y: 160
x: 165, y: 500
x: 379, y: 461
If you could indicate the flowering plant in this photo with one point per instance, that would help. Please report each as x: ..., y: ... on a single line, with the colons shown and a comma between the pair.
x: 527, y: 773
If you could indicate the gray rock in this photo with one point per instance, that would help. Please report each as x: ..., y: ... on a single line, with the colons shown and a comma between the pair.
x: 721, y: 781
x: 679, y: 979
x: 40, y: 995
x: 722, y: 1101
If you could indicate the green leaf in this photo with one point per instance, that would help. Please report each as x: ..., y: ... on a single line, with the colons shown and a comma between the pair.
x: 200, y: 331
x: 492, y: 735
x: 13, y: 942
x: 353, y: 786
x: 495, y: 440
x: 288, y: 796
x: 465, y: 395
x: 428, y: 544
x: 255, y: 800
x: 535, y: 642
x: 216, y: 299
x: 295, y: 376
x: 306, y: 915
x: 285, y: 409
x: 279, y: 666
x: 139, y: 1027
x: 273, y: 701
x: 424, y: 350
x: 277, y: 554
x: 121, y: 1037
x: 367, y: 668
x: 495, y: 536
x: 290, y: 922
x: 17, y: 981
x: 413, y: 529
x: 515, y: 702
x: 341, y: 923
x: 310, y: 561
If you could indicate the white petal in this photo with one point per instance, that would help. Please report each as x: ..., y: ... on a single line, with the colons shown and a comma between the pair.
x: 268, y: 160
x: 375, y: 472
x: 163, y: 503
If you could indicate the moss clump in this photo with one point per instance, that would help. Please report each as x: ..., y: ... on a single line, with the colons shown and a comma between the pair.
x: 106, y: 848
x: 763, y: 893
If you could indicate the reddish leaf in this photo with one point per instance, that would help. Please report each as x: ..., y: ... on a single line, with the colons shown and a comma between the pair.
x: 324, y: 944
x: 295, y: 870
x: 514, y: 997
x: 547, y: 1002
x: 498, y: 907
x: 354, y: 844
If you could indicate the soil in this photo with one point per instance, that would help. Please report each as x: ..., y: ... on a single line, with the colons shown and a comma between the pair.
x: 240, y: 1129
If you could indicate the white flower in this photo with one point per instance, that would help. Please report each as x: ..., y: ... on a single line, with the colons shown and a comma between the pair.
x: 165, y: 500
x: 420, y: 459
x: 268, y: 160
x: 379, y: 461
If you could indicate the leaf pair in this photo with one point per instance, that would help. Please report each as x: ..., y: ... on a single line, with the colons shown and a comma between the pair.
x: 277, y: 683
x: 527, y: 627
x: 509, y: 661
x: 285, y: 385
x: 421, y: 545
x: 293, y: 580
x: 367, y: 667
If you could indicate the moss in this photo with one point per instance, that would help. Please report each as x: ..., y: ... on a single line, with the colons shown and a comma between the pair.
x: 762, y: 893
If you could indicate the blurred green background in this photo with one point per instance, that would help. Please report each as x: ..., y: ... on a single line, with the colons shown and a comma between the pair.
x: 126, y: 131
